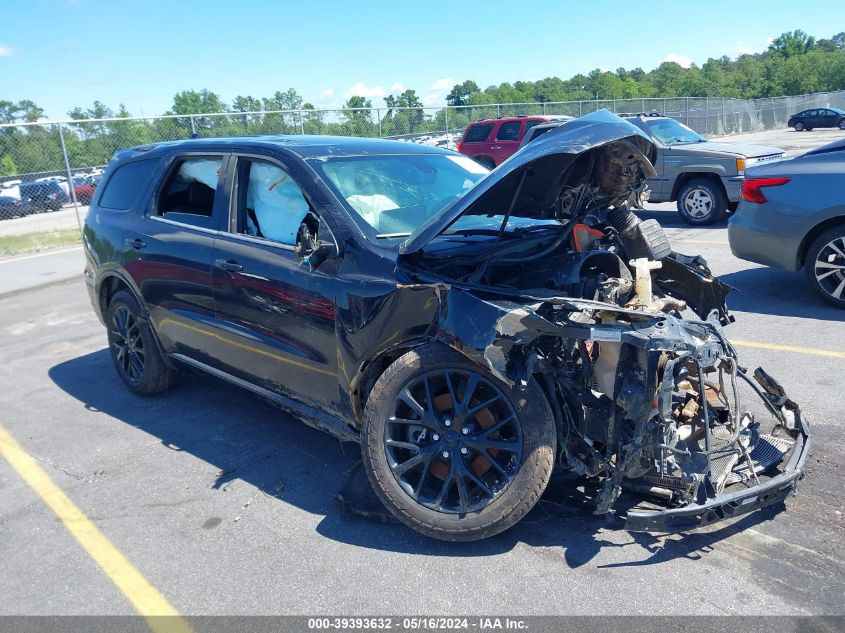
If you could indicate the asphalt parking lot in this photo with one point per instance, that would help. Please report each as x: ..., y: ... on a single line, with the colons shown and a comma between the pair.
x: 225, y: 506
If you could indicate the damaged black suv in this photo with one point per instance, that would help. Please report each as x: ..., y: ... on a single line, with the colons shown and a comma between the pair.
x: 475, y: 331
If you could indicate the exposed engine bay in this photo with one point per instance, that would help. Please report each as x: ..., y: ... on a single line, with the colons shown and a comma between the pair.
x: 625, y: 336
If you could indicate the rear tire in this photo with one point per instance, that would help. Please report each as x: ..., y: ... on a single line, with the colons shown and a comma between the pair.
x: 841, y: 125
x: 453, y: 491
x: 825, y: 266
x: 133, y: 347
x: 702, y: 202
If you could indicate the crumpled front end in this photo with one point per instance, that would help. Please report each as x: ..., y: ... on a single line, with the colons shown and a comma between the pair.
x: 655, y: 408
x: 624, y: 335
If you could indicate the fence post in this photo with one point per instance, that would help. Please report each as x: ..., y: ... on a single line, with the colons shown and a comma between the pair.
x: 378, y: 116
x: 580, y: 108
x: 301, y: 123
x: 193, y: 126
x: 544, y: 107
x: 498, y: 111
x: 70, y: 179
x: 446, y: 115
x: 687, y: 121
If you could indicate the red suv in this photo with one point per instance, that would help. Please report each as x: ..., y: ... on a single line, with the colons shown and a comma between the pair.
x: 491, y: 141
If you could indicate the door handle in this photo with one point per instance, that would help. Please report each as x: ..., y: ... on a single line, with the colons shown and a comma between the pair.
x: 136, y: 243
x: 496, y: 147
x: 228, y: 264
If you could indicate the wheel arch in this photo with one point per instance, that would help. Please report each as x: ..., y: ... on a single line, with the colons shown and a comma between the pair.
x: 362, y: 383
x: 684, y: 177
x: 813, y: 233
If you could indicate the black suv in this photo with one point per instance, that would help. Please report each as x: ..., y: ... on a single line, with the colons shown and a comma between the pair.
x: 474, y: 331
x: 43, y: 195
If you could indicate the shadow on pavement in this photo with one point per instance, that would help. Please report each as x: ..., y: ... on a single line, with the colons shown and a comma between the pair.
x: 777, y: 292
x: 248, y: 440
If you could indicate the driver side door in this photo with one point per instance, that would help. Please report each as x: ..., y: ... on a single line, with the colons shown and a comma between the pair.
x: 276, y: 309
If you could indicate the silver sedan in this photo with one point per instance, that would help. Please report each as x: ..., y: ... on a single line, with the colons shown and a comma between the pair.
x: 792, y: 216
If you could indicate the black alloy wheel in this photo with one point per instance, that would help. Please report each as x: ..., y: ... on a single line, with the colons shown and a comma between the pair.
x: 451, y: 451
x: 134, y: 351
x: 454, y: 442
x: 127, y: 345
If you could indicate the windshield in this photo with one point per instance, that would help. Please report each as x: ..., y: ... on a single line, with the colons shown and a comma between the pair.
x: 672, y: 132
x: 394, y: 194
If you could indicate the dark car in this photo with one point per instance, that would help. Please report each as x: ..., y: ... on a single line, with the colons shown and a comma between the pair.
x: 474, y: 331
x: 792, y: 216
x: 11, y: 207
x: 817, y: 117
x: 492, y: 141
x: 43, y: 195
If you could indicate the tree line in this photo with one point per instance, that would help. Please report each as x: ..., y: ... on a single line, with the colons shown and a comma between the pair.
x: 794, y: 63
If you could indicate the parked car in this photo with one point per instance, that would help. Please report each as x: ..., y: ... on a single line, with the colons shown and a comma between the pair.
x: 703, y: 177
x: 11, y: 207
x: 85, y: 189
x: 62, y: 182
x: 44, y: 195
x: 491, y: 141
x: 473, y: 330
x: 817, y: 117
x: 792, y: 216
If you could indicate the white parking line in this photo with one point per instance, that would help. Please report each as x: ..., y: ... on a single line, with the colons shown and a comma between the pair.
x: 42, y: 254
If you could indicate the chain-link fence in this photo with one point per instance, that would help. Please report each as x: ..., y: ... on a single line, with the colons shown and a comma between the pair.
x: 79, y: 149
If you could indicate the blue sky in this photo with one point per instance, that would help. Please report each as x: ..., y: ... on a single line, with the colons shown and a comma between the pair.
x: 66, y: 53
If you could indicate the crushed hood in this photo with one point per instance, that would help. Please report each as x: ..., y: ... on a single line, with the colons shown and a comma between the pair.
x: 562, y: 157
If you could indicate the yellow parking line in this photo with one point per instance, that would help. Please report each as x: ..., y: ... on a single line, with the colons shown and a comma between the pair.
x: 143, y: 596
x: 812, y: 351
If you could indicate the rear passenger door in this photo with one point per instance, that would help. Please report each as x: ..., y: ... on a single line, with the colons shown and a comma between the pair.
x: 507, y: 140
x: 169, y: 253
x: 276, y: 311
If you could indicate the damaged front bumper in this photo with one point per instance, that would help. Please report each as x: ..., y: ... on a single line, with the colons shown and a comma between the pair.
x: 727, y: 505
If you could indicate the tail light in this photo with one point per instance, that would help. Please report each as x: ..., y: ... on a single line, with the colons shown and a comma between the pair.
x: 752, y: 188
x: 53, y: 196
x: 460, y: 146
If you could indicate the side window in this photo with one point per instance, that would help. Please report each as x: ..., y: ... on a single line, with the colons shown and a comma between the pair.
x: 270, y: 204
x: 530, y: 124
x: 477, y: 133
x: 509, y: 131
x: 126, y: 184
x: 188, y: 193
x: 811, y: 113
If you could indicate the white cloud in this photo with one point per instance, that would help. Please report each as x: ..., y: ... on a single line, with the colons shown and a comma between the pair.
x: 6, y: 51
x: 445, y: 83
x: 362, y: 90
x: 397, y: 87
x: 432, y: 99
x: 325, y: 96
x: 681, y: 60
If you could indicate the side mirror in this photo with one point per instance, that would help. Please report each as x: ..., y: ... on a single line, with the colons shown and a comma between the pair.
x: 314, y: 248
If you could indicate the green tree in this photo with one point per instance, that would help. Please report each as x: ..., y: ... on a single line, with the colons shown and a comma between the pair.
x: 460, y: 93
x: 792, y: 43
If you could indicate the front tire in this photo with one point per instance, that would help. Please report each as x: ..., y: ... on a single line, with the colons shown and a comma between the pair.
x: 702, y: 202
x: 825, y: 266
x: 451, y: 451
x: 799, y: 126
x: 134, y: 351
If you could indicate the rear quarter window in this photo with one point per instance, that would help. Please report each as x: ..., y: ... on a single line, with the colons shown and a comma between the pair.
x: 127, y: 182
x: 478, y: 133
